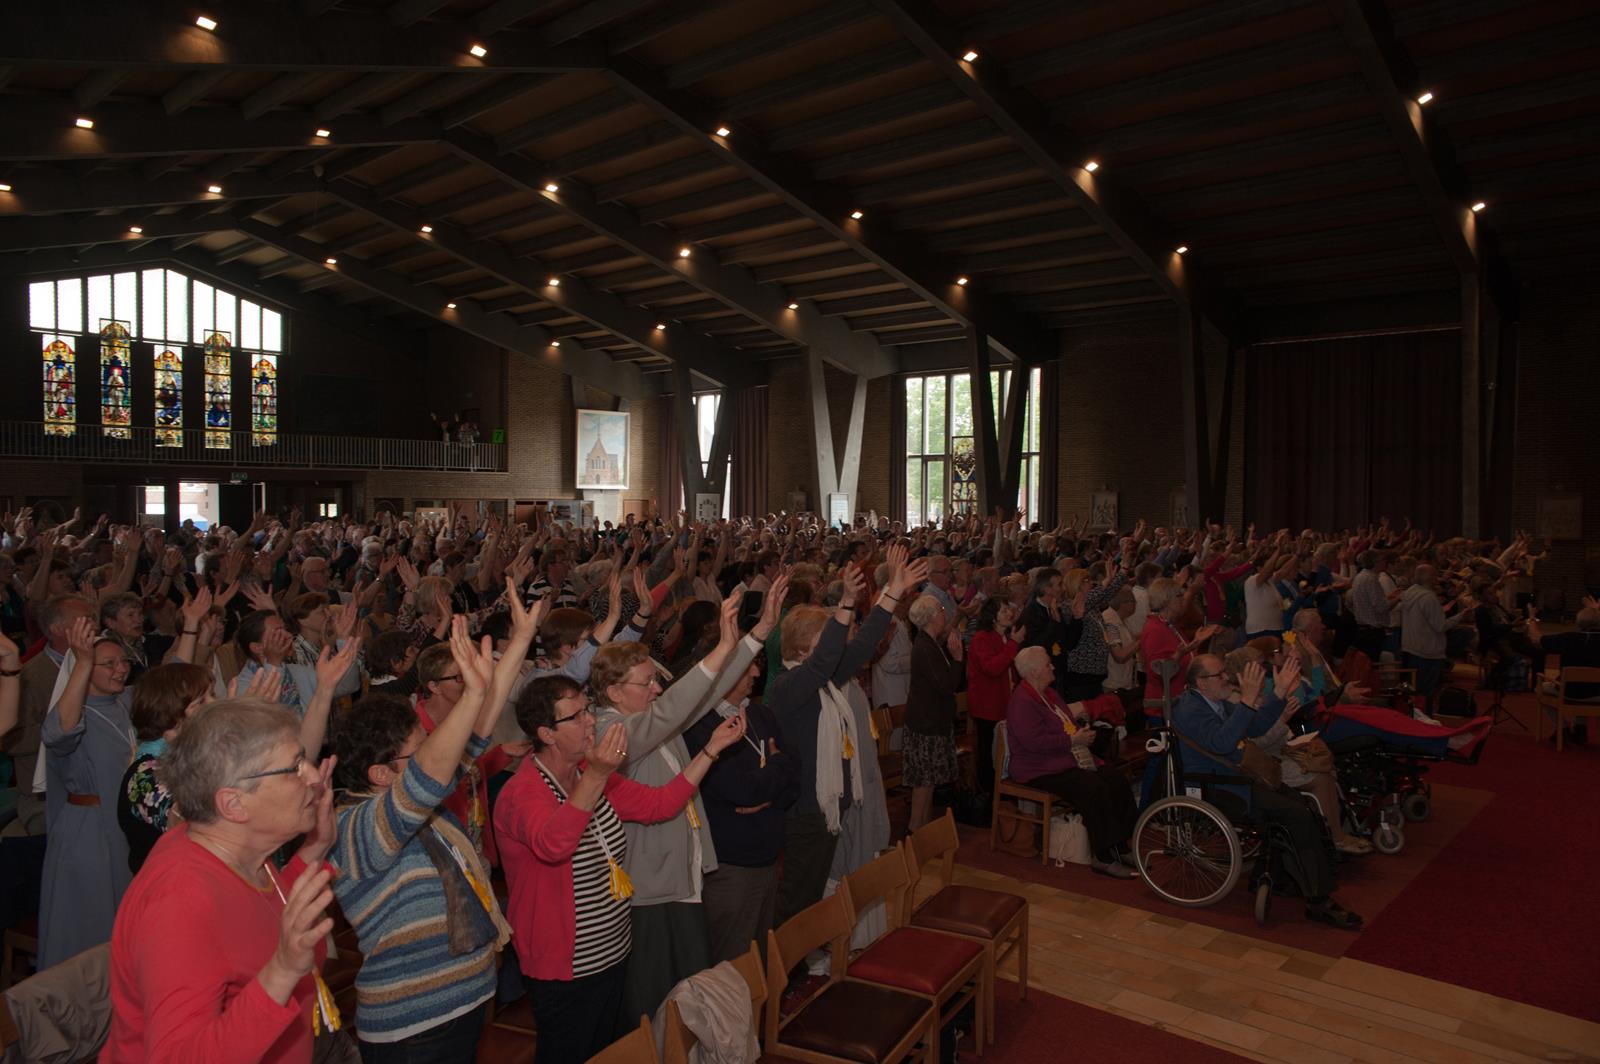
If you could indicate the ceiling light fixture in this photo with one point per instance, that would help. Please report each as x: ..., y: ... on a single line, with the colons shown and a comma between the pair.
x: 206, y: 23
x: 661, y: 326
x: 331, y: 261
x: 723, y: 131
x: 449, y: 306
x: 961, y: 280
x: 215, y: 190
x: 135, y: 229
x: 552, y: 187
x: 971, y: 54
x: 794, y: 306
x: 324, y: 133
x: 1091, y: 166
x: 555, y: 343
x: 427, y: 229
x: 1480, y: 205
x: 554, y: 282
x: 4, y: 187
x: 84, y: 123
x: 1182, y: 249
x: 684, y: 253
x: 478, y: 50
x: 1425, y: 99
x: 857, y: 215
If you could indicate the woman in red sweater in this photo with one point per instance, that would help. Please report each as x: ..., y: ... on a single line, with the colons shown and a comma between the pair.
x: 996, y: 639
x: 559, y: 824
x: 213, y: 951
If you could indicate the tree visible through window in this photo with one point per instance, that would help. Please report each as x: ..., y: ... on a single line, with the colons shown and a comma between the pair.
x: 940, y: 444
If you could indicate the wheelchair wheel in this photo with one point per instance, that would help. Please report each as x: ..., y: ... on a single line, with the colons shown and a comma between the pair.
x: 1416, y: 807
x: 1187, y: 851
x: 1263, y: 902
x: 1388, y: 839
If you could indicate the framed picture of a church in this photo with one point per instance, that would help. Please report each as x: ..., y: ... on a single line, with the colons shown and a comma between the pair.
x: 602, y: 449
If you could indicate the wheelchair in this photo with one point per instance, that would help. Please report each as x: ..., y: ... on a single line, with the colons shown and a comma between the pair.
x: 1192, y: 846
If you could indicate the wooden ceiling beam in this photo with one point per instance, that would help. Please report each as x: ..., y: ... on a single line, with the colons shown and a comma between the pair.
x: 49, y: 191
x: 586, y: 18
x: 846, y: 71
x: 278, y: 91
x: 21, y: 234
x: 496, y: 94
x: 605, y: 311
x: 569, y: 117
x: 435, y: 92
x: 358, y: 92
x: 430, y: 301
x: 162, y: 33
x: 97, y: 86
x: 749, y: 47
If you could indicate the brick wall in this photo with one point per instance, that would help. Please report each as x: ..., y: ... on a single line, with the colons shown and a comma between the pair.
x: 872, y: 490
x: 789, y: 444
x: 1557, y: 448
x: 1121, y: 421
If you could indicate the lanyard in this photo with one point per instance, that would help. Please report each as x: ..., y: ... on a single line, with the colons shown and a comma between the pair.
x: 477, y: 885
x: 326, y: 1014
x: 620, y: 885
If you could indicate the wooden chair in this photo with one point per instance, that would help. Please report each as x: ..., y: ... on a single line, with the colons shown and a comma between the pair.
x: 1563, y: 705
x: 679, y: 1040
x: 946, y: 970
x: 841, y: 1021
x: 636, y: 1047
x: 1005, y: 787
x: 995, y: 919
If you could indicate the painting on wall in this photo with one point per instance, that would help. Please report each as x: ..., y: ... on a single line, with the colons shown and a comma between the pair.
x: 1103, y: 510
x: 602, y: 449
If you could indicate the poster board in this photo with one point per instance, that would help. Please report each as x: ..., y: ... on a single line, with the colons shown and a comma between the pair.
x: 1103, y: 510
x: 602, y: 449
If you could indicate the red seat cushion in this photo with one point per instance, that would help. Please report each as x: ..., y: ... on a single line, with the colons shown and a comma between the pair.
x: 969, y: 911
x: 914, y: 959
x: 856, y: 1021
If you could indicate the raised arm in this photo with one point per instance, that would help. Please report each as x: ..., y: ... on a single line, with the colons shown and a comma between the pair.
x: 330, y: 668
x: 69, y: 708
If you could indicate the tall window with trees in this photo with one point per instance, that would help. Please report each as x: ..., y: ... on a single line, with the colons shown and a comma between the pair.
x: 940, y: 444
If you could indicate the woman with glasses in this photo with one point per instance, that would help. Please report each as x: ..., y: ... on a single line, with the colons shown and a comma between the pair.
x: 88, y: 742
x: 215, y: 950
x: 561, y: 834
x: 410, y: 879
x: 667, y: 861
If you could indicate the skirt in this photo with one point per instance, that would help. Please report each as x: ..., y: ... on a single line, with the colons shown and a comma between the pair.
x: 930, y: 760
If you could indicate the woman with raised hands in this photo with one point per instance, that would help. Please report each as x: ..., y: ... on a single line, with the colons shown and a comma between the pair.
x: 667, y: 861
x: 411, y: 882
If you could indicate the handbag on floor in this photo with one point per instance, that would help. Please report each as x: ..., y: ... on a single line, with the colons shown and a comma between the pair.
x: 1069, y: 840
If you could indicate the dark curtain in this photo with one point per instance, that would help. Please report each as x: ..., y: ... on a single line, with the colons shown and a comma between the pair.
x: 1342, y: 432
x: 671, y: 470
x: 747, y: 489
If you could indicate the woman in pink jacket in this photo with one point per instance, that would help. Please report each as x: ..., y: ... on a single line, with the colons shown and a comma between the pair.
x: 559, y: 824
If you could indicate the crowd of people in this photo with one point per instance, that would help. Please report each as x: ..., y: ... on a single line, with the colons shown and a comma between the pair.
x: 656, y: 740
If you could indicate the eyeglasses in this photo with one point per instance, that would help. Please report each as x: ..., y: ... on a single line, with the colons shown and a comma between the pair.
x: 452, y: 676
x: 297, y: 768
x: 1211, y: 675
x: 586, y: 711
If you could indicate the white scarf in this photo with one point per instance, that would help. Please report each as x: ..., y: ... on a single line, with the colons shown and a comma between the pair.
x: 836, y: 726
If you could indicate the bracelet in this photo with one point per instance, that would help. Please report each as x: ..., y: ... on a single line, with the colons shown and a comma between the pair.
x: 11, y: 672
x: 707, y: 751
x: 190, y: 631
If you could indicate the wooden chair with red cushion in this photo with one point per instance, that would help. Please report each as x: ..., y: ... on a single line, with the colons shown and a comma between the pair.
x: 995, y: 919
x: 946, y: 970
x: 839, y: 1021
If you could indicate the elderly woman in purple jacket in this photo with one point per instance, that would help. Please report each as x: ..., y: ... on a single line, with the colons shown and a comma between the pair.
x: 1050, y: 750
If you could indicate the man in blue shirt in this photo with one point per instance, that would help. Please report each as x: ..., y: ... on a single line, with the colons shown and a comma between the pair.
x: 1219, y: 718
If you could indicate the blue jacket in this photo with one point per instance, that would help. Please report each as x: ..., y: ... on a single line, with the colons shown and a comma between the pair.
x: 1222, y: 734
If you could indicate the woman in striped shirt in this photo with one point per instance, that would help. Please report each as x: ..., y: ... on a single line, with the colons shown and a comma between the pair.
x: 559, y: 823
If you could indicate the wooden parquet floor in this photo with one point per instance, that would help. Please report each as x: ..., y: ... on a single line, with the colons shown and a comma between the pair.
x: 1270, y: 1002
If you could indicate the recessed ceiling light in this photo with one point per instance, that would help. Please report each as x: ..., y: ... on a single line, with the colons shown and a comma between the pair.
x: 794, y: 306
x: 478, y: 50
x: 331, y: 261
x: 206, y: 23
x: 449, y: 306
x: 661, y: 326
x: 555, y: 343
x: 1091, y: 166
x: 1182, y: 249
x: 84, y: 123
x: 552, y: 187
x: 135, y: 229
x: 4, y: 187
x: 971, y: 54
x: 961, y: 280
x: 1425, y: 98
x: 324, y: 133
x: 427, y: 229
x: 215, y: 190
x: 723, y: 131
x: 684, y: 253
x: 1480, y: 205
x: 554, y: 282
x: 857, y: 215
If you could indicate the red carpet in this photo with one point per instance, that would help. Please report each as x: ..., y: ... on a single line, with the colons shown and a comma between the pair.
x: 1508, y: 906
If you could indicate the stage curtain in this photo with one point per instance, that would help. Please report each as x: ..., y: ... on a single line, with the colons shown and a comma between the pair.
x: 747, y: 486
x: 1341, y: 432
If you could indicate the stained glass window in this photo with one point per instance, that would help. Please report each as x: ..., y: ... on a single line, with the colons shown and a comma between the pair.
x: 219, y: 391
x: 264, y: 401
x: 60, y: 386
x: 116, y: 380
x: 169, y: 399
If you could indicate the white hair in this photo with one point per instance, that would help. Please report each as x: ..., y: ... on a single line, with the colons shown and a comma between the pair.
x: 923, y: 610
